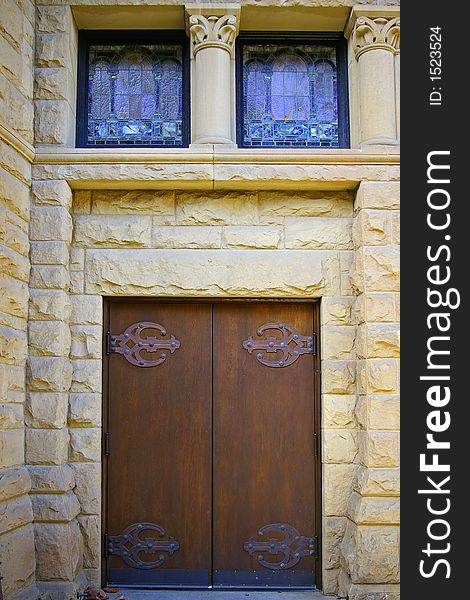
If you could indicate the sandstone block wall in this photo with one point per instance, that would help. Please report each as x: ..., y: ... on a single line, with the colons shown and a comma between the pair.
x: 252, y: 244
x: 16, y: 124
x: 278, y: 244
x: 49, y: 445
x: 143, y: 242
x: 55, y: 75
x: 64, y: 250
x: 370, y: 545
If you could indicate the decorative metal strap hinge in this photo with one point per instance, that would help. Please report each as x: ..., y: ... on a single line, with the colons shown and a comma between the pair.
x: 131, y: 344
x: 286, y: 349
x: 132, y: 548
x: 289, y: 544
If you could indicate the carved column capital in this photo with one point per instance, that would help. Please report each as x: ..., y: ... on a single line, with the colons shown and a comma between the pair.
x: 376, y: 33
x: 212, y: 32
x: 212, y: 27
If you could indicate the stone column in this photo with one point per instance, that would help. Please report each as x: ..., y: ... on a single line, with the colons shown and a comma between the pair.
x: 59, y: 546
x: 370, y: 544
x: 86, y: 324
x: 375, y: 42
x: 212, y: 33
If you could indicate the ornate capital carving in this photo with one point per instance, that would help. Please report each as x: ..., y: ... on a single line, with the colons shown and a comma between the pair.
x: 213, y: 32
x: 371, y: 34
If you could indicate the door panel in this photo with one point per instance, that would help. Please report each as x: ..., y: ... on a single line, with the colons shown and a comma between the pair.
x: 263, y: 453
x: 159, y: 463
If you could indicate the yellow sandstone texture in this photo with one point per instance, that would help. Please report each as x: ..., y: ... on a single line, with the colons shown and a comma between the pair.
x: 208, y: 221
x: 17, y: 552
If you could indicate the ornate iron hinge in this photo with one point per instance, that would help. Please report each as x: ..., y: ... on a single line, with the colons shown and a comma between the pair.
x: 286, y: 349
x: 290, y: 545
x: 130, y: 344
x: 130, y: 546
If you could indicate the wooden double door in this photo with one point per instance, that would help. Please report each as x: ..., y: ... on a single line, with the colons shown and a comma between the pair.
x: 211, y: 462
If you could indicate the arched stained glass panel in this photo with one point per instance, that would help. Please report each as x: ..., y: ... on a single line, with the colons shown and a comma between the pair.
x: 290, y: 95
x: 135, y: 95
x: 255, y: 89
x: 290, y: 92
x: 171, y: 95
x: 135, y: 87
x: 100, y: 89
x: 325, y: 91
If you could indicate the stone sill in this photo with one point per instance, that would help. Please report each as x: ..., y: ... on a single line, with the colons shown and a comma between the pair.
x: 209, y: 153
x: 215, y: 168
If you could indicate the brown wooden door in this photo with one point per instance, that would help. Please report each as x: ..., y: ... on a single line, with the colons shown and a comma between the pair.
x: 159, y: 462
x: 264, y: 492
x: 215, y: 445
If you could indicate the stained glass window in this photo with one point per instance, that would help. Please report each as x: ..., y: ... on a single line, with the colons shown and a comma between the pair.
x: 290, y: 95
x: 135, y: 95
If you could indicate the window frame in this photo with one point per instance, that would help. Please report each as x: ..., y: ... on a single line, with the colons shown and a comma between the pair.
x: 87, y: 38
x: 335, y: 39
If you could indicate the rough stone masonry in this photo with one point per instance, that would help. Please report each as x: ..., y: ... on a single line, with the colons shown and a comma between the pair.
x: 207, y: 221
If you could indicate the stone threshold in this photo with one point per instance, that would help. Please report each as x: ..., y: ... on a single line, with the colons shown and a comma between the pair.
x: 217, y: 595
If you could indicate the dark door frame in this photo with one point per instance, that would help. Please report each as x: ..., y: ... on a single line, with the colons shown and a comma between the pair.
x: 107, y: 301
